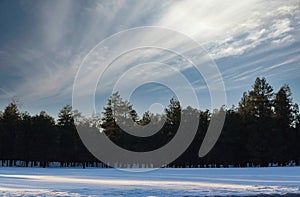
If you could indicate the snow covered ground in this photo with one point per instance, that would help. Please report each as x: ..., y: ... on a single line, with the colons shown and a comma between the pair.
x: 162, y: 182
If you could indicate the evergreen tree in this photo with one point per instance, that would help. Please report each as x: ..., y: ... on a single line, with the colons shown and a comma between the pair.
x: 283, y: 119
x: 264, y: 128
x: 118, y: 114
x: 27, y: 126
x: 109, y: 124
x: 260, y: 99
x: 146, y: 118
x: 68, y: 135
x: 173, y: 113
x: 43, y: 139
x: 283, y: 107
x: 11, y: 121
x: 65, y: 117
x: 256, y: 109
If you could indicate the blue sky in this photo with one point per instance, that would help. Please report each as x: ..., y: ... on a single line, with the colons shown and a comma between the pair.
x: 43, y: 43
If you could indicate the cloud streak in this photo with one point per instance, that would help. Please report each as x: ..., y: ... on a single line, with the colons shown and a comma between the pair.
x: 246, y: 38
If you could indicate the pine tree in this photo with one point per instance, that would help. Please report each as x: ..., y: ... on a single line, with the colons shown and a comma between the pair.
x: 43, y: 139
x: 173, y: 113
x: 65, y: 117
x: 11, y: 131
x: 283, y: 107
x: 68, y: 135
x: 260, y: 99
x: 109, y: 124
x: 117, y: 114
x: 256, y: 111
x: 146, y: 118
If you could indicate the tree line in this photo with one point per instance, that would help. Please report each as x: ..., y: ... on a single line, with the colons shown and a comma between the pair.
x: 264, y: 128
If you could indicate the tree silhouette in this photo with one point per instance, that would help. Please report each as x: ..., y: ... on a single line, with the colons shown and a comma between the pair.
x: 263, y: 129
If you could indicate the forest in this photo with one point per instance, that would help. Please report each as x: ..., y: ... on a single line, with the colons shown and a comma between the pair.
x: 263, y: 128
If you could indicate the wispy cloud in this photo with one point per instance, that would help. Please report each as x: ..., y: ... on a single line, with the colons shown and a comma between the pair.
x: 274, y: 28
x: 253, y: 37
x: 278, y: 65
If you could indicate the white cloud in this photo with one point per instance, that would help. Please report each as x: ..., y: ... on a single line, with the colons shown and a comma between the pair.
x: 279, y: 65
x: 245, y: 74
x: 67, y: 30
x: 271, y: 23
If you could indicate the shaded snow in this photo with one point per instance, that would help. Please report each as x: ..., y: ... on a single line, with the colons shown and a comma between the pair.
x: 162, y: 182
